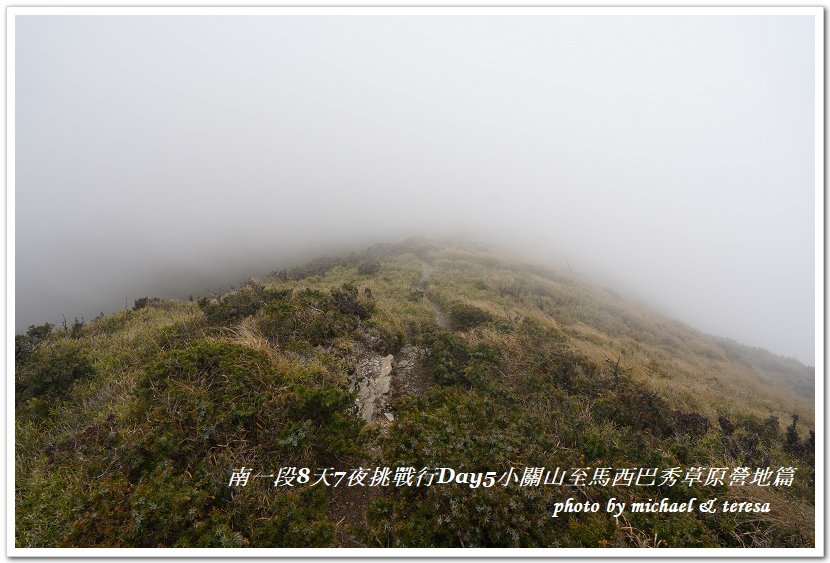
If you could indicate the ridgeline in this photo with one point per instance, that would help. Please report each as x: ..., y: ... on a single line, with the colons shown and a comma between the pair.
x: 129, y: 428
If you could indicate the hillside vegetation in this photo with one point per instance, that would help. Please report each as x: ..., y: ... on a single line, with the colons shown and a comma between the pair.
x: 128, y: 427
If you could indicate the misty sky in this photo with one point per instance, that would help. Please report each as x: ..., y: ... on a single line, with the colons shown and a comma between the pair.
x: 671, y: 156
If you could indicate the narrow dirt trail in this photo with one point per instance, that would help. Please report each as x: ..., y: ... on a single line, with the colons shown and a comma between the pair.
x: 380, y: 381
x: 441, y: 318
x: 426, y: 271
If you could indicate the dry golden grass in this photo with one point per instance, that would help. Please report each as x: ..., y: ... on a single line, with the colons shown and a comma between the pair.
x: 691, y: 370
x: 787, y: 516
x: 247, y: 334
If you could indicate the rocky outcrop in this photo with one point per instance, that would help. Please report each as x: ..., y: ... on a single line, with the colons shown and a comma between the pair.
x: 373, y: 380
x: 411, y: 377
x: 375, y: 377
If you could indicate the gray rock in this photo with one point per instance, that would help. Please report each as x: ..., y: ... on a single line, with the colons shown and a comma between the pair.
x: 374, y: 379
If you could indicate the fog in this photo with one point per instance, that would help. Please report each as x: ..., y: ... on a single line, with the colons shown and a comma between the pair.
x: 669, y: 156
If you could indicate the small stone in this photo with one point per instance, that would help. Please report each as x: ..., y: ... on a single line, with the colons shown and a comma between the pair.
x: 386, y: 365
x: 389, y: 416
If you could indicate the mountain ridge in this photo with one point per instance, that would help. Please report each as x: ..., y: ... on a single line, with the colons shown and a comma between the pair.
x: 415, y: 353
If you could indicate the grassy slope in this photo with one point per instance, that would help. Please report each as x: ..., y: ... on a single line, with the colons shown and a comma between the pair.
x: 126, y: 430
x: 690, y: 369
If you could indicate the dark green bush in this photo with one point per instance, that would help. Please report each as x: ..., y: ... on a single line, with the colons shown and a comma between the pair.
x: 208, y: 393
x: 792, y: 442
x: 637, y: 408
x: 77, y: 328
x: 311, y: 317
x: 235, y: 306
x: 215, y: 393
x: 143, y: 302
x: 25, y: 344
x: 345, y: 300
x: 317, y: 267
x: 165, y: 508
x: 298, y: 321
x: 767, y: 429
x: 468, y: 430
x: 295, y: 519
x: 368, y: 267
x: 52, y: 369
x: 195, y: 411
x: 464, y: 316
x: 327, y: 424
x: 451, y: 361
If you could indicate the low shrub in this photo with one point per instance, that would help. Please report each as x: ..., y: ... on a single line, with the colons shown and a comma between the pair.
x: 52, y: 370
x: 451, y: 361
x: 345, y: 300
x: 143, y: 302
x: 317, y: 267
x: 25, y: 344
x: 310, y: 317
x: 237, y: 305
x: 464, y: 316
x: 368, y: 267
